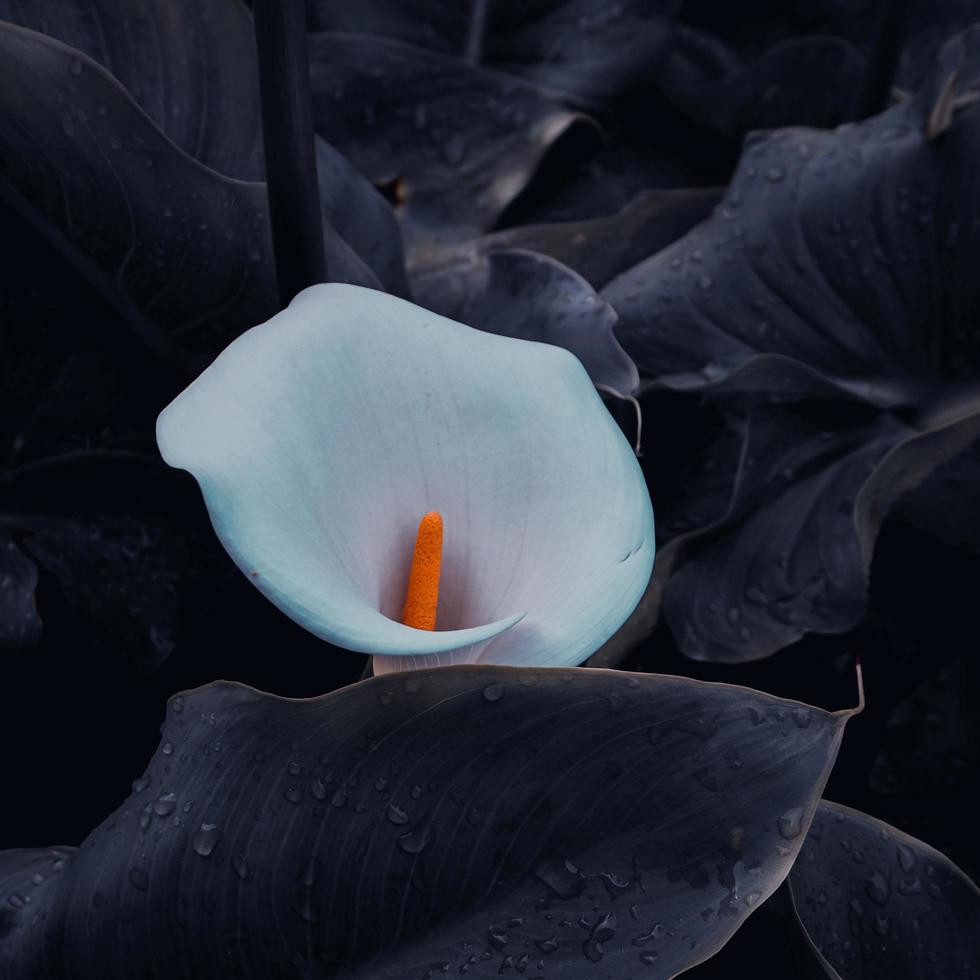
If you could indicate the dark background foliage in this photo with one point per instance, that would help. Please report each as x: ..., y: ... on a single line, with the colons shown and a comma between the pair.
x: 114, y: 594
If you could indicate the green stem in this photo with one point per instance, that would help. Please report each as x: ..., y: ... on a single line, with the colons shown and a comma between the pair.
x: 287, y: 127
x: 473, y: 51
x: 886, y: 49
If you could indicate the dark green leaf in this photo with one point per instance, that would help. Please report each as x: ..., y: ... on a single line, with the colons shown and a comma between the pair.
x: 872, y: 902
x: 518, y: 293
x: 190, y: 64
x: 456, y: 142
x: 567, y: 823
x: 180, y: 250
x: 598, y: 249
x: 780, y: 88
x: 793, y: 551
x: 820, y: 281
x: 851, y: 251
x: 589, y: 52
x: 928, y: 27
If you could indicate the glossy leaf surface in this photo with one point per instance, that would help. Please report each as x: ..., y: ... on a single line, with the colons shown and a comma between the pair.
x: 873, y: 902
x: 433, y: 821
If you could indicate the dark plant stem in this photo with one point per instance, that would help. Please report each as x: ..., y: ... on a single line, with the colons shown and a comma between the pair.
x: 886, y: 48
x: 287, y: 127
x: 473, y: 51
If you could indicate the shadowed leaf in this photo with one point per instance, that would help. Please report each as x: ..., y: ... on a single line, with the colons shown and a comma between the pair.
x: 820, y: 281
x: 20, y: 625
x: 872, y: 902
x: 820, y: 252
x: 190, y: 64
x: 792, y: 554
x: 457, y: 142
x: 788, y: 556
x: 518, y: 293
x: 588, y: 52
x: 591, y: 823
x: 121, y: 573
x: 932, y: 742
x: 598, y: 249
x: 182, y: 252
x: 777, y: 89
x: 943, y: 503
x: 927, y: 28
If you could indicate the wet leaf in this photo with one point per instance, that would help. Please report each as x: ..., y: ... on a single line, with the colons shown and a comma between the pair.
x: 792, y: 554
x: 432, y: 821
x: 588, y: 52
x: 455, y: 142
x: 190, y: 64
x: 182, y: 252
x: 518, y: 293
x: 870, y: 902
x: 598, y: 249
x: 82, y: 500
x: 819, y: 282
x: 845, y: 250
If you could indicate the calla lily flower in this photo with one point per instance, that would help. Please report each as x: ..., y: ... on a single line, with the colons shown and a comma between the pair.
x: 322, y: 437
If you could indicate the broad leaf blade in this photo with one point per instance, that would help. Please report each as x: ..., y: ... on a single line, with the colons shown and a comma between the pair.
x: 190, y: 64
x: 787, y: 558
x: 457, y: 142
x: 27, y: 879
x: 598, y: 249
x: 570, y: 823
x: 181, y: 251
x: 872, y: 902
x: 588, y: 53
x: 821, y: 253
x: 806, y: 81
x: 518, y: 293
x: 793, y: 552
x: 819, y: 283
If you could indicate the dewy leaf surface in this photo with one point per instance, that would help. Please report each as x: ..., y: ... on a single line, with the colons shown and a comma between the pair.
x: 793, y: 553
x: 519, y: 293
x: 586, y: 51
x: 831, y: 300
x: 190, y: 64
x: 872, y: 902
x: 851, y: 251
x: 558, y: 823
x: 598, y: 249
x: 457, y: 142
x: 183, y: 252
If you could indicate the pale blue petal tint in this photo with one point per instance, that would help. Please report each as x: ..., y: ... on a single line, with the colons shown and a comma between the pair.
x: 321, y: 437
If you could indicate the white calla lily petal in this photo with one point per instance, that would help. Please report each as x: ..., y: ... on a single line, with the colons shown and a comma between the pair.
x: 320, y: 438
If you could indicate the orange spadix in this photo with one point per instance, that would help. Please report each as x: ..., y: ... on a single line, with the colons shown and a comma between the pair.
x: 422, y: 596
